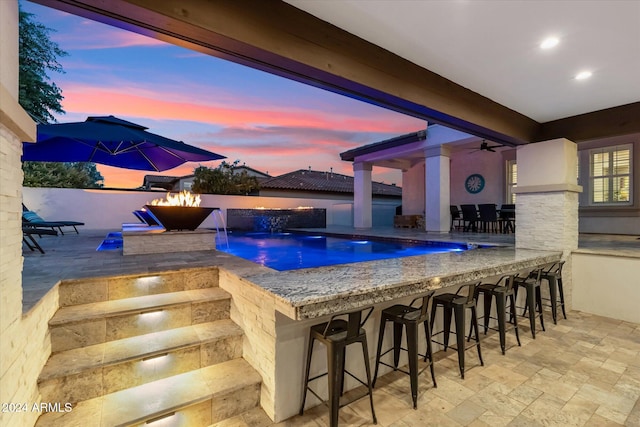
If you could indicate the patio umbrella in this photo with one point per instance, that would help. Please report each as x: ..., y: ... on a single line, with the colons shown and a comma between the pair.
x: 111, y: 141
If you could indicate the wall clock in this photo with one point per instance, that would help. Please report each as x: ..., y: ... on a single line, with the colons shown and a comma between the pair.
x: 474, y: 183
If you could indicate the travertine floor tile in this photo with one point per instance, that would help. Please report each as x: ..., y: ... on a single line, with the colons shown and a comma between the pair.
x: 466, y: 412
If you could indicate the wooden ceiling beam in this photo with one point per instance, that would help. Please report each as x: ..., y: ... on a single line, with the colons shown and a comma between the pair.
x: 616, y: 121
x: 278, y: 38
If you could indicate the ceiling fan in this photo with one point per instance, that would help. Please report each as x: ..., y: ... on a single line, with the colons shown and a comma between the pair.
x: 484, y: 146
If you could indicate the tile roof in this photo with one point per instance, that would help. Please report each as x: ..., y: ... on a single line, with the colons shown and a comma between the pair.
x: 397, y: 141
x: 310, y: 180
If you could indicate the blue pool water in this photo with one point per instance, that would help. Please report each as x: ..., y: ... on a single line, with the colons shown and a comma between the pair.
x: 289, y: 251
x: 112, y: 242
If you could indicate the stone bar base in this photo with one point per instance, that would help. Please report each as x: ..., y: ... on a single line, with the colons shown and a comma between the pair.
x: 143, y: 242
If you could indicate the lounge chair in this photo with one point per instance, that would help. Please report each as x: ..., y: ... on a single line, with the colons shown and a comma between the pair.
x: 29, y: 232
x: 32, y: 219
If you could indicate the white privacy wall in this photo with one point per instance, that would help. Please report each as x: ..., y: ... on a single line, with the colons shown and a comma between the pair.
x: 607, y: 285
x: 109, y: 209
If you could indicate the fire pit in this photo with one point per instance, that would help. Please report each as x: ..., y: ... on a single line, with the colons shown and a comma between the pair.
x: 179, y: 217
x: 179, y: 212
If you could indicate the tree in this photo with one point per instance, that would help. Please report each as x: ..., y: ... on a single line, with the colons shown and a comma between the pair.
x: 38, y: 95
x: 225, y: 179
x: 61, y: 175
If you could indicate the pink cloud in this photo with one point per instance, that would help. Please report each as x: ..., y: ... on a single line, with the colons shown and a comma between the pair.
x: 137, y: 103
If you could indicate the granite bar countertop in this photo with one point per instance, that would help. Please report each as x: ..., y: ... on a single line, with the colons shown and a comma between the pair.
x: 315, y: 292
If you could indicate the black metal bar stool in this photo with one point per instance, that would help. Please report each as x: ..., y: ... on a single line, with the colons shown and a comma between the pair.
x: 409, y: 317
x: 531, y: 283
x: 336, y: 335
x: 458, y: 304
x: 501, y: 292
x: 553, y: 275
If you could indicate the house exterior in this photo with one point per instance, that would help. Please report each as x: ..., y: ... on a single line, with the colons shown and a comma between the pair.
x: 323, y: 184
x: 179, y: 183
x: 602, y: 163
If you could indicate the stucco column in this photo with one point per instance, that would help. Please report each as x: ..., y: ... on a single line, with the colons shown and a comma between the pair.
x: 547, y: 196
x: 437, y: 189
x: 547, y: 201
x: 362, y: 207
x: 413, y: 190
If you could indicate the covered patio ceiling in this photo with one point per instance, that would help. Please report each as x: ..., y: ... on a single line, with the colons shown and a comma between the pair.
x: 376, y: 51
x: 405, y: 151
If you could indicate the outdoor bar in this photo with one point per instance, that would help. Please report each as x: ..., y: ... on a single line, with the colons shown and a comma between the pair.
x: 276, y: 309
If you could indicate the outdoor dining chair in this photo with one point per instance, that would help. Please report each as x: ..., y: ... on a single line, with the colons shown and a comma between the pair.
x: 469, y: 217
x: 488, y: 217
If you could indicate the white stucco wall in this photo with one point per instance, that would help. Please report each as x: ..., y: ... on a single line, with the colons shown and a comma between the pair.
x: 607, y: 285
x: 109, y: 209
x: 413, y: 194
x: 489, y: 165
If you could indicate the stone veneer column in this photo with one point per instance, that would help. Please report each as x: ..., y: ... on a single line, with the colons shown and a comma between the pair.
x: 24, y: 346
x: 437, y: 189
x: 547, y: 201
x: 362, y: 206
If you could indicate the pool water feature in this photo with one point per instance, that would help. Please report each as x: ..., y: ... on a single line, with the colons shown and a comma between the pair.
x: 112, y: 242
x: 292, y: 251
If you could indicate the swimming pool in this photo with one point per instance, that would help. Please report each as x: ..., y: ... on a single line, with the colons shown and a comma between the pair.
x: 291, y: 251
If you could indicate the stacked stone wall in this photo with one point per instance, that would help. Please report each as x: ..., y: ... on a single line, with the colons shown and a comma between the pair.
x: 25, y: 339
x: 253, y: 310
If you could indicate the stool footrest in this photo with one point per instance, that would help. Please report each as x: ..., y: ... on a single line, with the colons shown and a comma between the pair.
x: 455, y: 347
x: 342, y: 404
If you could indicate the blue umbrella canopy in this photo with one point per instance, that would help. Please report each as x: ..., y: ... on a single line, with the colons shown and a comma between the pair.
x: 111, y: 141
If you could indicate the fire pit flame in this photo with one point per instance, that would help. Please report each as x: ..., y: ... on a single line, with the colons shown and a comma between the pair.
x: 181, y: 211
x: 183, y: 198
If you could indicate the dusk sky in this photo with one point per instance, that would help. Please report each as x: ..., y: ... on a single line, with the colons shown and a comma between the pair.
x: 269, y: 123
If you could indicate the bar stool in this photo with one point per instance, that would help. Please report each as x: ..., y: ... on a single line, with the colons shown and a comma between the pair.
x: 458, y: 304
x: 534, y: 299
x: 553, y: 276
x: 336, y: 335
x: 409, y: 317
x: 501, y: 293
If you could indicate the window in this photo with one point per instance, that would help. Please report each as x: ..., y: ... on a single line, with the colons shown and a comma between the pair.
x: 512, y: 180
x: 610, y: 175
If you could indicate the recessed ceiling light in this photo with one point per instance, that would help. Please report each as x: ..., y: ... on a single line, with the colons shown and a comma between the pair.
x: 583, y: 75
x: 549, y: 42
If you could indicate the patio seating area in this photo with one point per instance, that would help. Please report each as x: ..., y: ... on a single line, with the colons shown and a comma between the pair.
x: 584, y: 371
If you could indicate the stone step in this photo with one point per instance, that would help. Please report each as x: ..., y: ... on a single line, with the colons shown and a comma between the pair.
x: 88, y: 324
x: 255, y: 417
x: 90, y: 290
x: 88, y: 372
x: 198, y: 398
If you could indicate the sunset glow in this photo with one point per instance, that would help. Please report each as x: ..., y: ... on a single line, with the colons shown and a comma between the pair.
x: 267, y: 122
